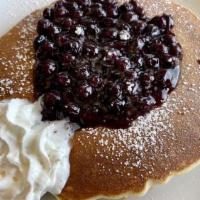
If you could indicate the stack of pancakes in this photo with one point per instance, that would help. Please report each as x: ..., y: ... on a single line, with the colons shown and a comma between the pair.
x: 117, y: 163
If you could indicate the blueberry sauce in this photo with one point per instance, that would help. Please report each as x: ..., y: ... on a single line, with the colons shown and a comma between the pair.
x: 101, y: 64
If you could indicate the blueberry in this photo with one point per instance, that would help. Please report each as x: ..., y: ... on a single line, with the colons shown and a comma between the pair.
x: 139, y: 61
x: 112, y: 10
x: 53, y: 30
x: 58, y: 4
x: 176, y: 50
x: 145, y: 78
x: 112, y: 55
x: 51, y: 114
x: 107, y: 22
x: 90, y: 49
x: 152, y: 30
x: 79, y: 31
x: 99, y: 2
x: 153, y: 62
x: 47, y: 49
x: 170, y: 61
x: 71, y: 5
x: 119, y: 45
x: 123, y: 64
x: 159, y: 21
x: 164, y: 22
x: 63, y: 79
x: 43, y: 25
x: 117, y: 106
x: 47, y: 67
x: 126, y: 7
x: 76, y: 14
x: 90, y: 115
x: 95, y: 81
x: 124, y: 26
x: 68, y: 24
x: 110, y: 33
x: 72, y: 110
x: 82, y: 72
x: 60, y: 12
x: 130, y: 17
x: 170, y: 21
x: 67, y: 60
x: 52, y: 98
x: 84, y: 3
x: 102, y: 64
x: 61, y: 40
x: 132, y: 88
x: 138, y: 26
x: 160, y: 49
x: 93, y: 29
x: 39, y: 40
x: 169, y: 38
x: 140, y: 43
x: 74, y: 46
x: 84, y: 91
x: 99, y: 12
x: 48, y: 13
x: 96, y: 5
x: 114, y: 89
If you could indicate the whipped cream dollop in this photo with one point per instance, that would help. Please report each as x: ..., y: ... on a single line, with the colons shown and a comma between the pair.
x: 34, y: 155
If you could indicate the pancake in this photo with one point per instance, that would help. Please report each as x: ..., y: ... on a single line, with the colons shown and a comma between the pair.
x: 17, y: 60
x: 117, y: 163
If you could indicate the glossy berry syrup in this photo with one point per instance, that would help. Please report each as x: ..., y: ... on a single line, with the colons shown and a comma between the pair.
x: 101, y: 64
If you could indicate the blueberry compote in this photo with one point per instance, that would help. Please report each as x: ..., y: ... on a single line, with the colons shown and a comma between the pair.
x: 102, y: 64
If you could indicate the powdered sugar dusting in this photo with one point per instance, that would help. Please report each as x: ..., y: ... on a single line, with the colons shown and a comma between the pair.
x: 155, y: 135
x: 16, y: 74
x: 146, y: 134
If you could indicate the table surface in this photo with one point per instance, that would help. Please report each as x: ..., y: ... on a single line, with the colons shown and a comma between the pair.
x: 185, y: 187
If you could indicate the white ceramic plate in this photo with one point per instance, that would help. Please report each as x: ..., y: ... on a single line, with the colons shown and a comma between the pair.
x: 184, y: 187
